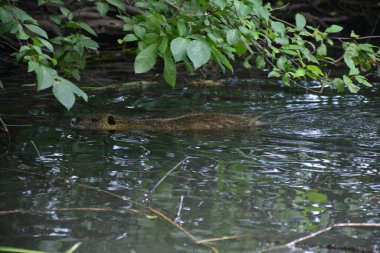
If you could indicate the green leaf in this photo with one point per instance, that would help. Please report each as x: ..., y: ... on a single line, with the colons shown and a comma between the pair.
x: 278, y: 27
x: 299, y: 73
x: 64, y: 95
x: 87, y: 28
x: 182, y: 28
x: 221, y: 4
x: 37, y: 30
x: 178, y: 46
x: 334, y: 29
x: 163, y: 45
x: 322, y: 50
x: 32, y: 66
x: 261, y: 12
x: 274, y: 73
x: 300, y: 21
x: 1, y: 85
x: 232, y: 36
x: 281, y: 61
x: 170, y: 70
x: 64, y: 91
x: 338, y: 84
x: 349, y: 61
x: 102, y: 7
x: 240, y: 48
x: 354, y: 35
x: 354, y: 71
x: 220, y: 57
x: 130, y: 37
x: 286, y: 80
x: 363, y: 80
x: 66, y: 12
x: 351, y: 86
x: 117, y: 3
x: 198, y: 52
x: 260, y: 62
x: 139, y: 31
x: 315, y: 70
x: 366, y: 47
x: 47, y: 44
x: 45, y: 76
x: 316, y: 197
x: 146, y: 59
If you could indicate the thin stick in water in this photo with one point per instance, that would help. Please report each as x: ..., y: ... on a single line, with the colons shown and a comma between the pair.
x: 39, y: 156
x: 170, y: 171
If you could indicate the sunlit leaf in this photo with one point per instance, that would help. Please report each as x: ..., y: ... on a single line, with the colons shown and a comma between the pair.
x: 178, y: 46
x: 334, y: 29
x: 198, y: 52
x: 281, y: 61
x: 363, y: 80
x: 146, y: 59
x: 45, y: 76
x: 351, y: 86
x: 274, y: 73
x: 300, y: 21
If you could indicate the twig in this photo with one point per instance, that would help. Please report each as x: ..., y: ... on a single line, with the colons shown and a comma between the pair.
x: 360, y: 38
x: 158, y: 213
x: 5, y: 129
x: 178, y: 215
x: 293, y: 243
x: 223, y: 238
x: 173, y: 5
x: 80, y: 209
x: 170, y: 171
x: 39, y: 157
x: 312, y: 235
x: 73, y: 248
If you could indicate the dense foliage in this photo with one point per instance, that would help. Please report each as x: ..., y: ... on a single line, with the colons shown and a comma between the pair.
x: 193, y: 32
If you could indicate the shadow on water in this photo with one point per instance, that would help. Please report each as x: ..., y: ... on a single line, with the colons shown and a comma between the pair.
x: 313, y: 164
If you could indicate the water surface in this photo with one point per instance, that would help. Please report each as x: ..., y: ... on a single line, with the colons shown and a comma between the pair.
x: 315, y: 163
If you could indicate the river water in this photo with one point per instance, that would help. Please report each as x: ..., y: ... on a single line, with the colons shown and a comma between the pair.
x: 315, y: 163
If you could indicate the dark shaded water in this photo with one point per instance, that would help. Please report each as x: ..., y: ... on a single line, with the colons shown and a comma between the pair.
x: 314, y: 164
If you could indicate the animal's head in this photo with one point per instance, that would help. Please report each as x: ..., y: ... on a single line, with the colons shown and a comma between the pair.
x: 95, y: 122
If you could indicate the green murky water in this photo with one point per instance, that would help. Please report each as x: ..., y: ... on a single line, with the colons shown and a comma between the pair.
x: 314, y: 164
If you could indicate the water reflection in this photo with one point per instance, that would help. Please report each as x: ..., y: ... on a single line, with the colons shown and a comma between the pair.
x: 315, y: 163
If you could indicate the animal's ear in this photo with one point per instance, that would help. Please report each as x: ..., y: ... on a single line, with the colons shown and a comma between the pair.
x: 111, y: 120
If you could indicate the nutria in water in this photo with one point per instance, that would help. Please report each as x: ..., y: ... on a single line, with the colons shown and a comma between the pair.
x: 207, y: 121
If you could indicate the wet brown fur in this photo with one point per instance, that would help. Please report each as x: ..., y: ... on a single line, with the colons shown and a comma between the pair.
x: 209, y: 121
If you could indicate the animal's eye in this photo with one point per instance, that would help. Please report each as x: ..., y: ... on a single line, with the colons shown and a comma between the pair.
x: 111, y: 120
x: 73, y: 121
x: 94, y: 120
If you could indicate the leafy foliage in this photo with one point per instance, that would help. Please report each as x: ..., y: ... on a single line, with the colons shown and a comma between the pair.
x: 39, y: 53
x: 194, y: 33
x: 226, y: 29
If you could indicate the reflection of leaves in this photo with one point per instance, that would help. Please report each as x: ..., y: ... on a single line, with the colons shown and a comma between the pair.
x: 311, y: 196
x: 316, y: 197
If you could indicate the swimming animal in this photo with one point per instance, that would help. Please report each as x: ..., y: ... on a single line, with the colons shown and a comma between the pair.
x: 207, y: 121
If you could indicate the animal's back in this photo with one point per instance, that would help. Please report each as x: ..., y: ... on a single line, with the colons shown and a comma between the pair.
x: 207, y: 121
